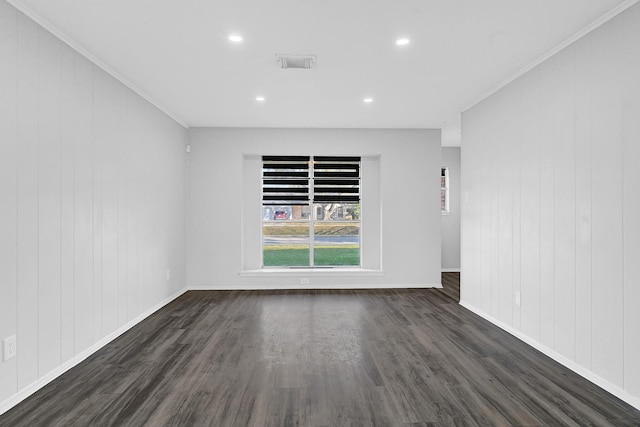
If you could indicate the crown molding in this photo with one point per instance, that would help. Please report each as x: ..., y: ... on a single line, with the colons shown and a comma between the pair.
x: 586, y: 30
x: 18, y: 4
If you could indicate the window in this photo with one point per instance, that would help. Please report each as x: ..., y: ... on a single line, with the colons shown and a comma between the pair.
x: 310, y: 211
x: 444, y: 190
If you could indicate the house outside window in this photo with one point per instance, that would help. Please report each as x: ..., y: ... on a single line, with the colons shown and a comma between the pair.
x: 310, y: 211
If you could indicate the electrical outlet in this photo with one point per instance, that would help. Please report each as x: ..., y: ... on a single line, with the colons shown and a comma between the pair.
x: 9, y: 348
x: 518, y: 299
x: 304, y: 281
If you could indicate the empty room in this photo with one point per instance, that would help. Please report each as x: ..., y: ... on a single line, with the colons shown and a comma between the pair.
x: 320, y: 213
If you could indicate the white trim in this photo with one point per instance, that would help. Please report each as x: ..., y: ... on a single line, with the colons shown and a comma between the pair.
x: 55, y: 373
x: 451, y: 270
x: 271, y: 287
x: 586, y: 30
x: 580, y: 370
x: 18, y: 4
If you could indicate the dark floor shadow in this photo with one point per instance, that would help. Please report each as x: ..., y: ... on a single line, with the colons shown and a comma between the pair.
x: 451, y: 286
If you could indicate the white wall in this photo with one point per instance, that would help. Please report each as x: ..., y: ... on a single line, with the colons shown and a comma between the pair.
x: 551, y: 206
x: 92, y: 190
x: 224, y: 204
x: 451, y: 222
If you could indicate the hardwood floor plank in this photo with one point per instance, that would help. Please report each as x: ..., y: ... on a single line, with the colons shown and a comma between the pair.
x: 319, y: 358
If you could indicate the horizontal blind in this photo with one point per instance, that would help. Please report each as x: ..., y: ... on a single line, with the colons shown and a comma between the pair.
x: 336, y: 179
x: 285, y: 180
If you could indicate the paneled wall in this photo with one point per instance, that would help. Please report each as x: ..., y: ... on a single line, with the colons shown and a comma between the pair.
x: 92, y: 201
x: 551, y: 206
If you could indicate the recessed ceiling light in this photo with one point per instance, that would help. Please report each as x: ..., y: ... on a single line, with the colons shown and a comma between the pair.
x: 402, y: 42
x: 260, y: 98
x: 235, y: 38
x: 367, y: 100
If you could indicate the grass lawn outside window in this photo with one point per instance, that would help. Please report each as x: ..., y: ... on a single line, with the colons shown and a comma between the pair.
x: 323, y: 255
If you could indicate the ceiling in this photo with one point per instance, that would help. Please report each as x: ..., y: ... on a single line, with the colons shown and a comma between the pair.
x: 177, y: 54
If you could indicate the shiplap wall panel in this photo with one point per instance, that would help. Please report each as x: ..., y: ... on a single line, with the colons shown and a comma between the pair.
x: 579, y: 203
x: 133, y: 212
x: 505, y: 190
x: 468, y: 215
x: 547, y: 182
x: 564, y: 205
x: 109, y: 230
x: 121, y: 144
x: 530, y: 208
x: 67, y: 157
x: 485, y: 246
x: 483, y: 223
x: 467, y: 245
x: 607, y: 246
x: 92, y: 179
x: 83, y: 203
x: 494, y: 270
x: 27, y: 160
x: 49, y: 69
x: 474, y: 238
x: 99, y: 140
x: 631, y: 198
x: 515, y: 177
x: 8, y: 188
x: 584, y: 175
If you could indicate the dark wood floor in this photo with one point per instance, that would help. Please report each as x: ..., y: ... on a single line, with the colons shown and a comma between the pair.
x: 319, y: 358
x: 451, y: 285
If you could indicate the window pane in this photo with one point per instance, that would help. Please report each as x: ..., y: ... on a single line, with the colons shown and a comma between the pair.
x: 336, y: 243
x: 284, y: 213
x: 336, y: 211
x: 285, y: 243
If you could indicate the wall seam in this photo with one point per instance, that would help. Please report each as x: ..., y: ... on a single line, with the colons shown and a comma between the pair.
x: 591, y: 211
x: 622, y: 228
x: 554, y: 160
x: 38, y: 198
x: 73, y: 210
x: 575, y: 215
x: 16, y: 144
x: 60, y: 284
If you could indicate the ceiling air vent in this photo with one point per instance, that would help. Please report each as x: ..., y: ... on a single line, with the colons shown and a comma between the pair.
x: 303, y: 62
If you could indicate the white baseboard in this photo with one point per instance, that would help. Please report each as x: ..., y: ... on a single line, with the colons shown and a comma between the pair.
x: 55, y: 373
x: 450, y: 270
x: 580, y: 370
x: 271, y: 287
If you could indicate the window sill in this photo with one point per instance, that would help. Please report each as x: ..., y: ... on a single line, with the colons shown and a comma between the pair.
x: 311, y: 272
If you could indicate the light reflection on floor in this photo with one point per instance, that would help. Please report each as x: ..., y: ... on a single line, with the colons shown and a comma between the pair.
x: 323, y: 330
